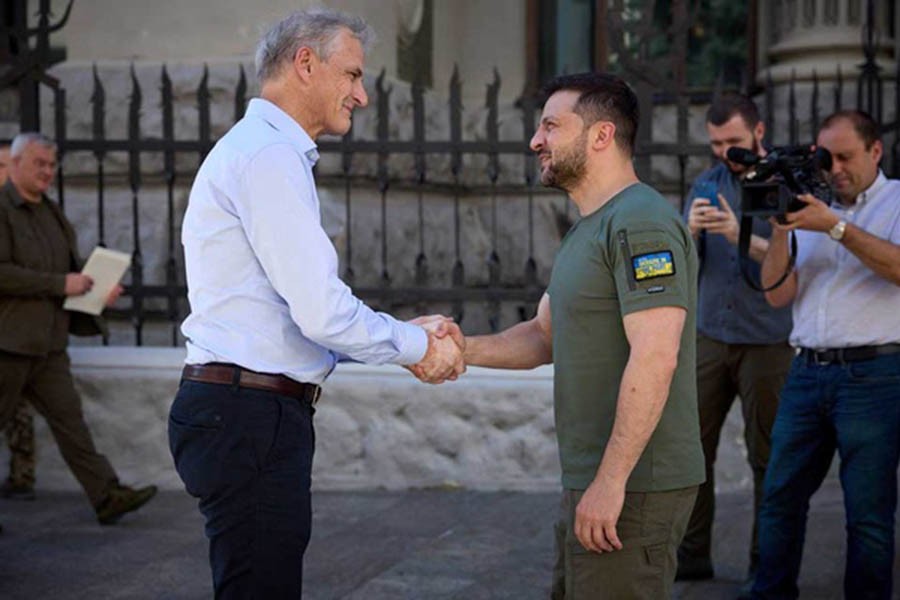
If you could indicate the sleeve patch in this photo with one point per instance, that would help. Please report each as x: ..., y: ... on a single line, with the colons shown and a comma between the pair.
x: 652, y: 265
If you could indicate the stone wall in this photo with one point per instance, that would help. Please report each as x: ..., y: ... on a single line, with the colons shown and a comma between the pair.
x: 376, y: 427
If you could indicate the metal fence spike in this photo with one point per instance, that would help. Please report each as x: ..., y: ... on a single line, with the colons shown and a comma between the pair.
x: 240, y: 95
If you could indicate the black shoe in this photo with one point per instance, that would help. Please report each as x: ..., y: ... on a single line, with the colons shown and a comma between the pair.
x: 17, y: 491
x: 694, y: 569
x: 120, y: 500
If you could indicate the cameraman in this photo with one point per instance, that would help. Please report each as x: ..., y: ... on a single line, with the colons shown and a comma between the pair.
x: 742, y: 345
x: 843, y: 390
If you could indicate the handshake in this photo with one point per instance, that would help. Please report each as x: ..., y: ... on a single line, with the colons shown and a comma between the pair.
x: 443, y: 360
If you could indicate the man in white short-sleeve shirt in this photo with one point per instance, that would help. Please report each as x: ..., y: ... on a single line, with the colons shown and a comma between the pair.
x: 843, y: 391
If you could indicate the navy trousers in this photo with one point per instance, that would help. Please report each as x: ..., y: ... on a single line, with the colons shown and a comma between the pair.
x: 246, y: 455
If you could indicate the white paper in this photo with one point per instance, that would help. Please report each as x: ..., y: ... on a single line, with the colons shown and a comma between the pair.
x: 106, y: 267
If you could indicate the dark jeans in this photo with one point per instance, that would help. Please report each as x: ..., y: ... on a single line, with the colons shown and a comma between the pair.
x: 756, y: 373
x: 854, y: 408
x: 247, y: 456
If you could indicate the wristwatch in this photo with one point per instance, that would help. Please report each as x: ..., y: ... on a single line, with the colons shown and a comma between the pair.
x: 837, y: 232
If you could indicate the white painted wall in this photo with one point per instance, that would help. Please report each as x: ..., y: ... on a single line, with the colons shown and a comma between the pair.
x: 190, y: 30
x: 479, y: 36
x: 475, y: 35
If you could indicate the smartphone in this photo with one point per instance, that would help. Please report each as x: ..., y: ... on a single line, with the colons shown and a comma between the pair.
x: 708, y: 190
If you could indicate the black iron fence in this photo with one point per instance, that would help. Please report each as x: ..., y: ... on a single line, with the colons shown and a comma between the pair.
x: 516, y: 280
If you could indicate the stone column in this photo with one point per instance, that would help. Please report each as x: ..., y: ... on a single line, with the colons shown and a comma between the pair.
x: 802, y: 36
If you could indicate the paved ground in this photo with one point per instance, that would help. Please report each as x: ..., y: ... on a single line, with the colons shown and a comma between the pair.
x: 366, y: 545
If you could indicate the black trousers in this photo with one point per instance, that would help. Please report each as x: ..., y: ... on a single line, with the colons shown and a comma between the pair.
x: 247, y: 456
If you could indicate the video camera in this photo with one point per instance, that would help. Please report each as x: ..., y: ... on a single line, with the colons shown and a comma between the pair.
x: 770, y: 189
x: 772, y: 184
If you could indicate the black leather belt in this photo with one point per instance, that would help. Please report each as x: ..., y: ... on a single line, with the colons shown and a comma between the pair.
x: 843, y: 355
x: 229, y: 374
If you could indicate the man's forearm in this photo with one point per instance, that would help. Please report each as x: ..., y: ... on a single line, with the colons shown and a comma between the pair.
x: 758, y: 248
x: 774, y: 264
x: 642, y: 397
x: 880, y: 255
x: 523, y: 346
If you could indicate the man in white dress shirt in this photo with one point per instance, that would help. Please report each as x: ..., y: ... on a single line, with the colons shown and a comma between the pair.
x: 269, y: 316
x: 843, y: 390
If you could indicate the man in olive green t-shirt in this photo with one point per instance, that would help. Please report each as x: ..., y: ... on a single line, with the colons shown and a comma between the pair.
x: 618, y: 323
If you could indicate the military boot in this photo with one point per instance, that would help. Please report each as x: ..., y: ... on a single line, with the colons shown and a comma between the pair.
x: 15, y: 490
x: 122, y: 499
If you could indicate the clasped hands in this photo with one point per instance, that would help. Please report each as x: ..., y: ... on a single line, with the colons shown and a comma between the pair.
x: 444, y: 358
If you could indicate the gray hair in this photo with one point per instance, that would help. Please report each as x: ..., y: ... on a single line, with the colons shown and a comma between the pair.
x: 314, y: 28
x: 21, y: 141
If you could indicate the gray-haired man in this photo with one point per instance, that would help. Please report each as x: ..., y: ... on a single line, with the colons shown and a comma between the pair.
x: 38, y: 269
x: 19, y: 484
x: 269, y: 315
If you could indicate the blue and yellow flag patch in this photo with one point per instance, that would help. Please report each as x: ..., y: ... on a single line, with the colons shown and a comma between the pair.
x: 654, y: 264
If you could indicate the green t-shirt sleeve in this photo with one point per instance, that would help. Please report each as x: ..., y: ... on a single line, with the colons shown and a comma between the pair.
x: 650, y: 265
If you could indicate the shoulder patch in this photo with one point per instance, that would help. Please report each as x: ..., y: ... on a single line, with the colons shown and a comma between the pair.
x: 654, y: 264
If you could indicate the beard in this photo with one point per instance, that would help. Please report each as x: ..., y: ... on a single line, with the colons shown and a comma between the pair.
x: 739, y: 169
x: 568, y: 166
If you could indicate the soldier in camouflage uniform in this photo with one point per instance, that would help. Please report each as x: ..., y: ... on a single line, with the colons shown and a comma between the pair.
x: 20, y: 431
x: 20, y: 437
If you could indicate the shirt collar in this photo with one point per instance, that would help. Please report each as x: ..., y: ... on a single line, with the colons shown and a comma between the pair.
x: 284, y: 123
x: 17, y: 199
x: 870, y: 191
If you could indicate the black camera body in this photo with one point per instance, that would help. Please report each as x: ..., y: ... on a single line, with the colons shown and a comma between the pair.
x: 771, y: 186
x: 766, y: 199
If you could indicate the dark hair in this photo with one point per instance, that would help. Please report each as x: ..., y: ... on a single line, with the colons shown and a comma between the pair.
x: 862, y: 122
x: 602, y: 97
x: 728, y: 104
